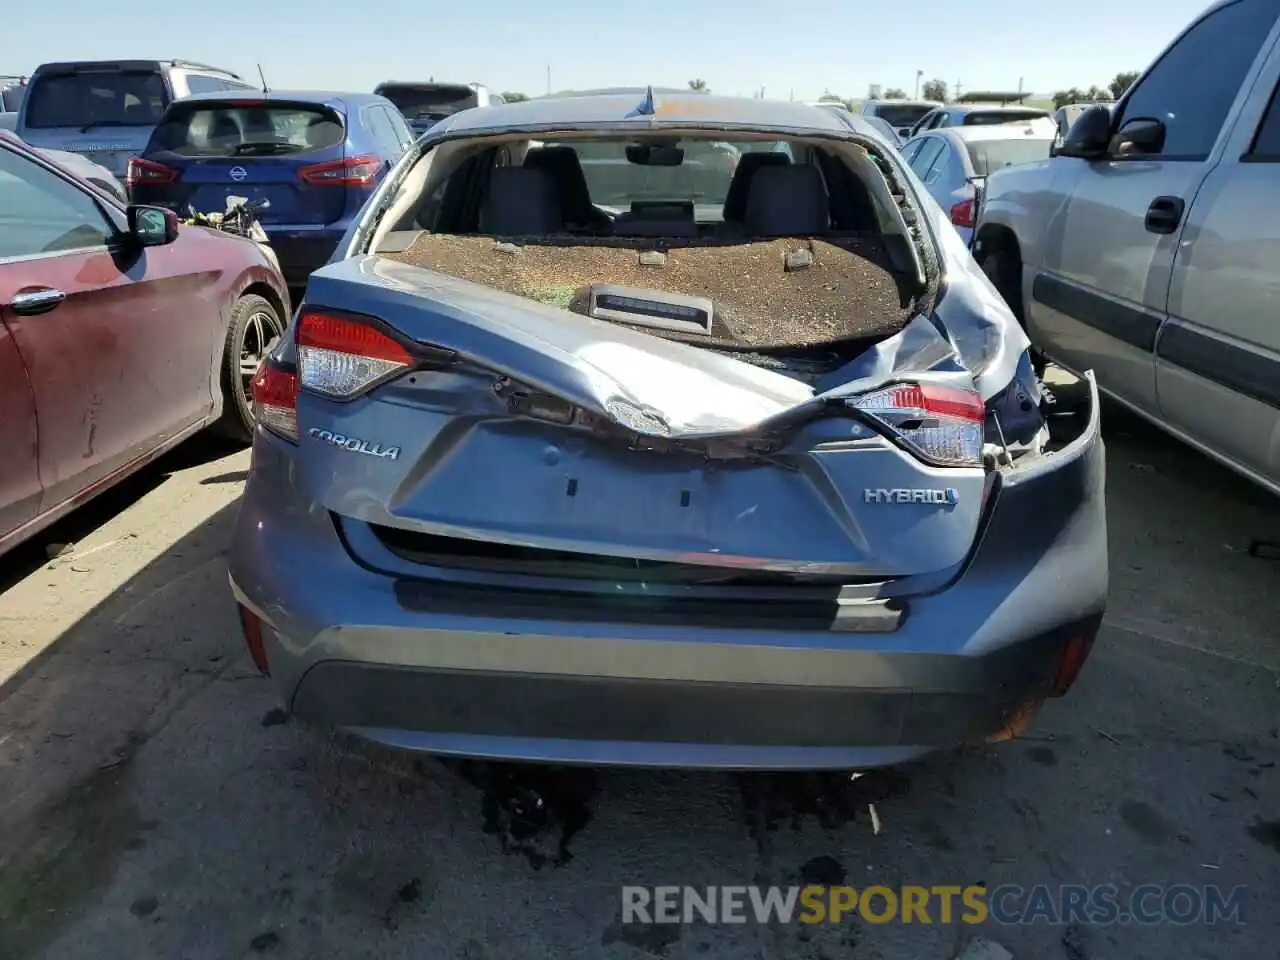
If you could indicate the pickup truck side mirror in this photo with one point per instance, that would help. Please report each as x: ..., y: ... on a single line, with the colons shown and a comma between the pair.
x: 1089, y: 137
x: 1141, y: 135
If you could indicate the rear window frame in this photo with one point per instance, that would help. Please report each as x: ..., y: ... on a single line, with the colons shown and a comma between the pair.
x: 235, y: 100
x: 40, y: 78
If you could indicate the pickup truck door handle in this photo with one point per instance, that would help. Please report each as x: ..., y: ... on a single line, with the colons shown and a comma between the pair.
x: 29, y: 303
x: 1164, y: 214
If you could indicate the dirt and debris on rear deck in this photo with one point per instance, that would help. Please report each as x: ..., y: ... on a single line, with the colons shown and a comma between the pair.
x: 846, y: 291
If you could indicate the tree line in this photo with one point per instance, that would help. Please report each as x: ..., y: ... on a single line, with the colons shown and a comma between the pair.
x: 1112, y: 91
x: 936, y: 89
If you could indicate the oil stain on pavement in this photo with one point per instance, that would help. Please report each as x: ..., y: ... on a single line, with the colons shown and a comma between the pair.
x: 533, y: 810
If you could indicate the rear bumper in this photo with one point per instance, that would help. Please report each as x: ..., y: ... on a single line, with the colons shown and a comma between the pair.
x: 467, y: 672
x: 304, y: 248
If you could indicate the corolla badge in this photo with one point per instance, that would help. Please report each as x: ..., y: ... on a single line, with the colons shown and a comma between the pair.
x: 237, y: 173
x: 947, y: 497
x: 354, y: 444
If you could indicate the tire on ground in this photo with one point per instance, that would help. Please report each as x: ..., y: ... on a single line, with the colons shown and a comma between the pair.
x: 237, y: 420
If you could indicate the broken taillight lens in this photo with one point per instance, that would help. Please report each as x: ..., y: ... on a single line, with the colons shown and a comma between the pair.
x: 941, y: 424
x: 343, y: 355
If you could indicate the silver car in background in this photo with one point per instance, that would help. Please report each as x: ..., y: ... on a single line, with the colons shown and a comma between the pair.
x: 953, y: 163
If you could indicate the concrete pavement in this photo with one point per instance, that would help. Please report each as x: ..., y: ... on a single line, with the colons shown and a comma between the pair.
x: 154, y: 802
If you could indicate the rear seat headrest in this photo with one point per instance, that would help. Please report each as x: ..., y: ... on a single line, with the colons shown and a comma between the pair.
x: 521, y: 201
x: 735, y: 200
x: 787, y: 201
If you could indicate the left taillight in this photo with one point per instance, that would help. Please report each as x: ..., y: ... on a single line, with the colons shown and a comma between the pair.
x: 962, y: 213
x: 275, y: 400
x: 142, y: 171
x: 941, y: 424
x: 341, y: 356
x: 348, y: 172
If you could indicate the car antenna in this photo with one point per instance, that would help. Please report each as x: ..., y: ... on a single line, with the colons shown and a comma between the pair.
x: 645, y: 108
x: 263, y: 77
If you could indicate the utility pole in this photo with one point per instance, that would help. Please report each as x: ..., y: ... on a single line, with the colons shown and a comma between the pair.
x: 919, y: 74
x: 548, y: 79
x: 958, y: 89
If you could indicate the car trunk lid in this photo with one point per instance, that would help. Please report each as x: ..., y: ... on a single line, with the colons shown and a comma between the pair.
x: 553, y: 431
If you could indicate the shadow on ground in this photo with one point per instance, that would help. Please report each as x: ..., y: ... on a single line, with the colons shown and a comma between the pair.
x: 156, y: 802
x: 25, y: 559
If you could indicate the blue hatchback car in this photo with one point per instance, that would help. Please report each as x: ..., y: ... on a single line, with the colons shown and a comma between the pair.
x: 313, y: 157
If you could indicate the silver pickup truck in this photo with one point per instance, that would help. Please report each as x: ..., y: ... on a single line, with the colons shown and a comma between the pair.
x: 1148, y: 247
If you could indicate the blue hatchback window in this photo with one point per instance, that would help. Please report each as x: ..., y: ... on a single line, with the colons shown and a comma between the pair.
x: 230, y: 129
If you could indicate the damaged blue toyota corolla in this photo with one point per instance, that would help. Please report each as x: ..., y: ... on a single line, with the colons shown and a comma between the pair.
x: 599, y: 441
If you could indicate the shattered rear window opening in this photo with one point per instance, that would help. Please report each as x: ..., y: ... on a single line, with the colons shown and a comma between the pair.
x: 782, y: 240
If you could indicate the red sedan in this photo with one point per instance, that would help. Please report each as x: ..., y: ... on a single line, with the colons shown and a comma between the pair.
x: 122, y: 333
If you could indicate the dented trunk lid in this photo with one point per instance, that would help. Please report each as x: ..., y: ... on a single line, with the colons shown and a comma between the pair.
x: 756, y: 470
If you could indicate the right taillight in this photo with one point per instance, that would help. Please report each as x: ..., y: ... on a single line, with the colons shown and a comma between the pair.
x: 342, y: 355
x: 962, y: 213
x: 275, y: 400
x: 942, y: 424
x: 142, y: 171
x: 348, y: 172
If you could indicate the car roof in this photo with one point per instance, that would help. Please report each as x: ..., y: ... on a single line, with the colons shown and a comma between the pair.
x: 326, y: 98
x: 669, y: 110
x: 134, y: 64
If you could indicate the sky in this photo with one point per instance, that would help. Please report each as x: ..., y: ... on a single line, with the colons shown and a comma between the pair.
x: 736, y: 46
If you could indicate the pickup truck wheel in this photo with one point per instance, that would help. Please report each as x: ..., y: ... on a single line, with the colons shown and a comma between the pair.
x: 255, y: 323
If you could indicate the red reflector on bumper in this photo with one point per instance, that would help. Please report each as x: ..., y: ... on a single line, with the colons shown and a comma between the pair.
x: 1074, y: 655
x: 252, y: 628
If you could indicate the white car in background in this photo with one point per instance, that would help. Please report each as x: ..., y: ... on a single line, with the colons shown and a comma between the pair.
x: 954, y: 162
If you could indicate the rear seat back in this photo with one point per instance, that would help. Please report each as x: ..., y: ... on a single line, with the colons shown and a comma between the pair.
x: 521, y: 202
x: 749, y: 164
x: 788, y: 201
x: 565, y: 167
